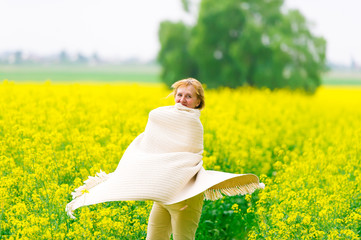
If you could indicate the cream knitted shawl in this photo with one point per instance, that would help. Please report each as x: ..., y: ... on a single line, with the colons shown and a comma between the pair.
x: 164, y: 164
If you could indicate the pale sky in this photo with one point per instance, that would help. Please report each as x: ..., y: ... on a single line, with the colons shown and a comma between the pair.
x: 124, y: 29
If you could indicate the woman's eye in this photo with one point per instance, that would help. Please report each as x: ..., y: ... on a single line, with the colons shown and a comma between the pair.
x: 189, y: 96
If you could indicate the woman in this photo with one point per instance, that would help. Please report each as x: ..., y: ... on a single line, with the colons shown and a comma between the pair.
x: 164, y: 164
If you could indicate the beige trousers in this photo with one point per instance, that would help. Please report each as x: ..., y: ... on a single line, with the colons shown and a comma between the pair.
x: 181, y: 219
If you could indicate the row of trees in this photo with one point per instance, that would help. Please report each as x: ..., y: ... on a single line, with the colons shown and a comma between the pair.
x: 19, y: 57
x: 243, y: 42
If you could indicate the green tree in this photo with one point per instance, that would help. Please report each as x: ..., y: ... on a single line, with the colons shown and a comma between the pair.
x: 174, y: 55
x: 18, y: 57
x: 238, y: 42
x: 64, y: 57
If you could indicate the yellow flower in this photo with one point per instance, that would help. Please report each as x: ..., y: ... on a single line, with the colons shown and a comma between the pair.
x: 85, y: 191
x: 235, y: 208
x: 306, y: 220
x: 304, y: 148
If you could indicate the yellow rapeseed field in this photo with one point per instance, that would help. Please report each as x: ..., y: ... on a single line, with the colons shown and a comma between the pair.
x: 306, y: 148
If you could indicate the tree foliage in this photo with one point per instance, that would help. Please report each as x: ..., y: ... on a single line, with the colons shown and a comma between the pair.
x: 238, y: 42
x: 174, y: 55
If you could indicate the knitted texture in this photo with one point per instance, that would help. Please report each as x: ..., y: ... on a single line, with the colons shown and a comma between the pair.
x: 163, y: 164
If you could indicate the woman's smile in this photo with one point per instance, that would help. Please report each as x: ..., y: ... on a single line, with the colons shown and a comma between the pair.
x: 187, y: 96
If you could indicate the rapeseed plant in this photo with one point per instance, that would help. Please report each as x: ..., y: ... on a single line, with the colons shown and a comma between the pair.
x: 305, y: 148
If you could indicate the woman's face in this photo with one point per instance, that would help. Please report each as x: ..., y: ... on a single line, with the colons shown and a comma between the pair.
x: 187, y: 96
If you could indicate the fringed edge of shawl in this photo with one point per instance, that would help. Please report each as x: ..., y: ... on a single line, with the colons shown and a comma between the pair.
x: 69, y: 209
x: 214, y: 194
x: 88, y: 184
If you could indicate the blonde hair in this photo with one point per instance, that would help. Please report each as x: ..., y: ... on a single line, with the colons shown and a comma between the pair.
x: 197, y: 86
